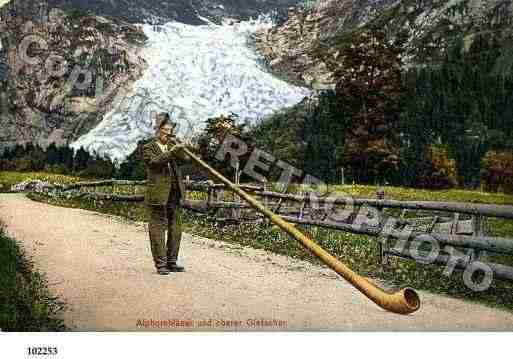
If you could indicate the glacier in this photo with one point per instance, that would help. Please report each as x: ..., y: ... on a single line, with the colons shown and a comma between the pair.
x: 194, y: 72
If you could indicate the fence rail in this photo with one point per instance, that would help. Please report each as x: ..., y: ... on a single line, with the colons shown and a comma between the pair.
x: 489, y: 210
x: 309, y: 210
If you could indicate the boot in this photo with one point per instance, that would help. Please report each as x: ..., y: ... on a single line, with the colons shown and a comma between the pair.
x: 163, y: 271
x: 173, y: 267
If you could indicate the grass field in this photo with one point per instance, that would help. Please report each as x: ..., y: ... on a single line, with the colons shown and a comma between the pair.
x: 7, y: 179
x: 357, y: 251
x: 25, y: 303
x: 413, y: 194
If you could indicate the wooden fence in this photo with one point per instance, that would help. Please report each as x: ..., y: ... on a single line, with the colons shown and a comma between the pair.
x: 453, y: 224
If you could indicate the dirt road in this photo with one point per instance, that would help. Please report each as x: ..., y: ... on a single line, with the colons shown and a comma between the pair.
x: 101, y: 267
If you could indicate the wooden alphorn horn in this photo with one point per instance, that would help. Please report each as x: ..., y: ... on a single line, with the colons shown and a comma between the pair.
x: 405, y: 301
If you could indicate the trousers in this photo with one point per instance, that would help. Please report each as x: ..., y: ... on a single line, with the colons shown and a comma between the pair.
x: 168, y: 217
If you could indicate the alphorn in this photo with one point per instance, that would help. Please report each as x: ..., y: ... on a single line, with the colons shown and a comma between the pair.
x: 404, y: 301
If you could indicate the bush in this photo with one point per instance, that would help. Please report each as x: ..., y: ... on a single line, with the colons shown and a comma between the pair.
x: 23, y: 164
x: 98, y: 168
x: 437, y: 170
x: 497, y: 171
x: 7, y: 165
x: 76, y: 14
x: 56, y: 169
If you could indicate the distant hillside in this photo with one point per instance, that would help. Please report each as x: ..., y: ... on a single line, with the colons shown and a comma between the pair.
x: 186, y: 11
x: 451, y: 103
x: 200, y: 74
x: 297, y: 48
x: 38, y: 101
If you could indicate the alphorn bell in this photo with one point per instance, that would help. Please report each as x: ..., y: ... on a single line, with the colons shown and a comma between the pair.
x: 404, y: 301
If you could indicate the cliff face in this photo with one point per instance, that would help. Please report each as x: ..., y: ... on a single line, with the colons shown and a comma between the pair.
x: 297, y: 48
x: 65, y: 63
x: 61, y: 71
x: 192, y: 12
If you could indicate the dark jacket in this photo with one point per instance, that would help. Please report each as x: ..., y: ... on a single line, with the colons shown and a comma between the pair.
x: 163, y: 173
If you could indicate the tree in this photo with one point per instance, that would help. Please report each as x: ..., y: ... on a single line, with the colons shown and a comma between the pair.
x: 52, y: 154
x: 81, y: 160
x: 497, y: 171
x: 133, y: 166
x: 18, y: 151
x: 367, y: 69
x: 66, y: 158
x: 212, y: 137
x: 324, y: 151
x: 99, y: 167
x: 437, y: 170
x: 464, y: 102
x: 7, y: 153
x: 38, y: 158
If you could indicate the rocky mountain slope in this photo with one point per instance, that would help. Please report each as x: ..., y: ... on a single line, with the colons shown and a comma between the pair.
x: 195, y: 73
x: 89, y: 51
x: 192, y: 12
x: 93, y: 81
x: 297, y: 49
x: 61, y: 71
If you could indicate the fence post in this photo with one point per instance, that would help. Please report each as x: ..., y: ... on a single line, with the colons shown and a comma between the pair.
x: 265, y: 201
x: 477, y: 231
x: 454, y: 224
x: 219, y: 197
x: 265, y: 190
x: 433, y: 224
x: 210, y: 195
x: 382, y: 243
x: 236, y: 213
x: 219, y: 194
x: 302, y: 208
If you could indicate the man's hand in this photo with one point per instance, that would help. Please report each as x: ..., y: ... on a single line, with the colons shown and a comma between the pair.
x: 178, y: 147
x: 187, y: 143
x: 184, y: 142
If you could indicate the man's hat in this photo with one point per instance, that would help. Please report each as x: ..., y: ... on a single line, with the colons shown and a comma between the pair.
x: 164, y: 118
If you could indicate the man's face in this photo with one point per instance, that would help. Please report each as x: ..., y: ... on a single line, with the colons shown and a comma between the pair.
x: 165, y: 134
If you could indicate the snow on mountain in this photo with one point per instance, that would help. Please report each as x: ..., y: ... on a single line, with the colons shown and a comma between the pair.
x: 194, y: 72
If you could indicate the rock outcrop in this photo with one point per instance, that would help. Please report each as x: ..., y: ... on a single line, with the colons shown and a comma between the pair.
x: 298, y: 48
x: 61, y: 71
x: 192, y: 12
